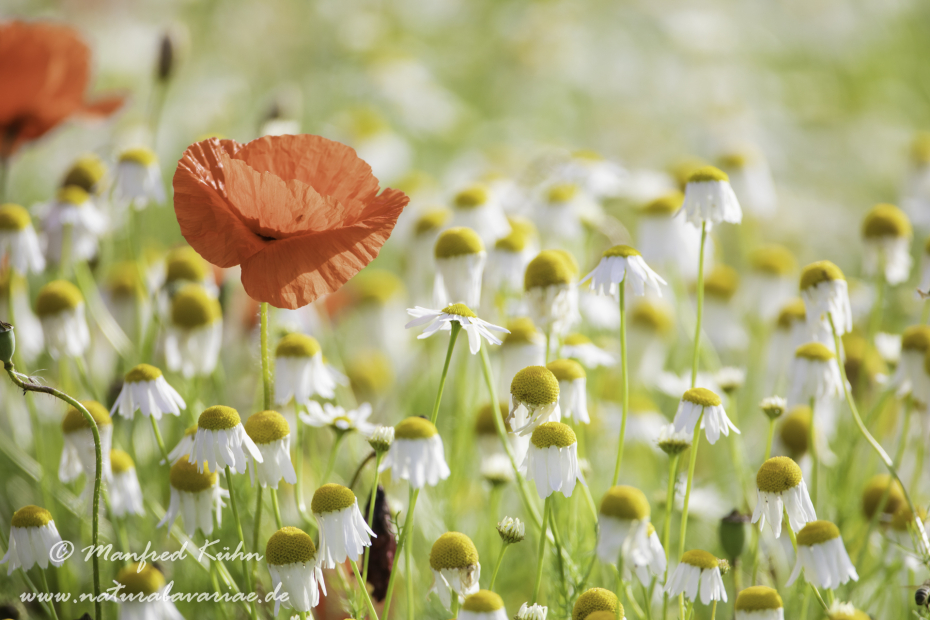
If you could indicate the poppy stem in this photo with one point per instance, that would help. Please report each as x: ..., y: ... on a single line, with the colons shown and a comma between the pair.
x: 267, y: 386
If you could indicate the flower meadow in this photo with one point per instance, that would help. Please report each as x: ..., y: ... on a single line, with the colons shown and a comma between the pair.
x: 478, y: 310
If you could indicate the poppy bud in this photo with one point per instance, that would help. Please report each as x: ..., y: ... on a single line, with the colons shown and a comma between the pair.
x: 7, y: 342
x: 733, y: 534
x: 166, y: 58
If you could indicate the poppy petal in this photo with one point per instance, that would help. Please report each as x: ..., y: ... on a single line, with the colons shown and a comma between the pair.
x: 293, y: 272
x: 208, y: 222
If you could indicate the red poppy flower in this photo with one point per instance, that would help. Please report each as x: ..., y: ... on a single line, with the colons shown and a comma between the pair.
x: 300, y: 214
x: 44, y: 70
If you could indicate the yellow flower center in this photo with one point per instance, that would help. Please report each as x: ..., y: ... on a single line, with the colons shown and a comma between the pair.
x: 821, y: 271
x: 376, y: 286
x: 120, y: 461
x: 31, y: 516
x: 139, y: 155
x: 483, y: 601
x: 370, y: 372
x: 289, y: 545
x: 331, y: 498
x: 566, y: 370
x: 123, y: 281
x: 515, y: 242
x: 666, y: 205
x: 185, y: 477
x: 460, y: 241
x: 297, y: 345
x: 453, y: 550
x: 522, y: 331
x: 472, y: 197
x: 535, y: 385
x: 553, y: 434
x: 415, y: 428
x: 267, y: 426
x: 184, y: 263
x: 75, y: 420
x: 702, y: 396
x: 146, y: 581
x: 795, y: 430
x: 623, y: 251
x: 484, y: 422
x: 817, y: 532
x: 758, y: 598
x: 792, y: 312
x: 58, y: 296
x: 920, y: 148
x: 431, y: 220
x: 773, y: 259
x: 735, y: 159
x: 574, y: 339
x: 653, y: 316
x: 14, y: 217
x: 700, y: 559
x: 814, y: 351
x: 522, y: 225
x: 85, y: 173
x: 625, y: 502
x: 594, y: 600
x: 875, y: 488
x: 778, y: 474
x: 562, y: 193
x: 142, y: 373
x: 192, y: 307
x: 885, y: 220
x: 721, y: 282
x: 916, y: 338
x: 73, y: 195
x: 707, y: 174
x: 459, y: 310
x: 549, y: 268
x: 219, y: 417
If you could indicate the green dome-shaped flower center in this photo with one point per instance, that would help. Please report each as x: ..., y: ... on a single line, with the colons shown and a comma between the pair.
x: 484, y: 422
x: 85, y: 173
x: 375, y: 286
x: 566, y: 370
x: 289, y: 545
x: 773, y: 259
x: 184, y: 263
x: 795, y: 430
x: 623, y: 251
x: 266, y: 426
x: 185, y: 477
x: 72, y: 195
x: 535, y: 385
x: 736, y: 159
x: 453, y: 550
x: 706, y: 174
x: 31, y: 516
x: 515, y: 242
x: 58, y: 296
x: 701, y: 396
x: 549, y: 268
x: 778, y: 474
x: 431, y: 220
x: 575, y: 339
x: 606, y: 615
x: 625, y: 502
x: 483, y: 601
x: 14, y: 217
x: 120, y: 461
x: 522, y: 331
x: 192, y: 307
x: 817, y: 532
x: 593, y: 600
x: 146, y: 581
x: 297, y: 345
x: 875, y: 489
x: 562, y: 193
x: 814, y: 351
x: 123, y: 281
x: 666, y: 205
x: 523, y: 225
x: 885, y: 220
x: 218, y: 417
x: 701, y: 559
x: 821, y: 271
x: 551, y: 434
x: 139, y: 155
x: 653, y: 316
x: 75, y: 420
x: 331, y: 498
x: 459, y: 310
x: 460, y: 241
x: 142, y: 373
x: 472, y: 197
x: 916, y: 338
x: 792, y: 312
x: 758, y: 598
x: 721, y: 282
x: 415, y: 428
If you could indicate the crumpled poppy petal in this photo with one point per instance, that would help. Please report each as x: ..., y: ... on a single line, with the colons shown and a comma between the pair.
x: 294, y: 272
x: 208, y: 222
x: 331, y: 168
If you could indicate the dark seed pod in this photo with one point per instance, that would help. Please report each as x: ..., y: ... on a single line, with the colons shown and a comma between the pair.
x: 382, y: 548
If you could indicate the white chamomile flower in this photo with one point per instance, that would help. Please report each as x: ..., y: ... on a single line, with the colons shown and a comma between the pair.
x: 33, y: 535
x: 758, y: 603
x: 143, y: 594
x: 478, y: 208
x: 496, y: 469
x: 562, y: 209
x: 417, y: 454
x: 421, y: 266
x: 534, y: 396
x: 532, y: 612
x: 339, y: 419
x: 78, y: 456
x: 772, y: 281
x: 195, y: 332
x: 709, y: 199
x: 19, y: 244
x: 272, y: 436
x: 597, y: 604
x: 815, y: 374
x: 845, y: 611
x: 624, y: 265
x: 886, y: 237
x: 221, y: 441
x: 295, y: 569
x: 456, y: 570
x: 437, y: 320
x: 344, y: 534
x: 925, y: 268
x: 74, y: 218
x: 508, y: 260
x: 300, y: 371
x: 552, y: 459
x: 697, y: 573
x: 145, y: 389
x: 669, y: 242
x: 460, y: 258
x: 185, y: 446
x: 781, y: 489
x: 195, y: 495
x: 599, y: 176
x: 551, y: 292
x: 60, y: 308
x: 909, y: 374
x: 823, y: 557
x: 138, y: 179
x: 624, y: 536
x: 124, y: 491
x: 826, y: 293
x: 700, y: 404
x: 578, y: 346
x: 889, y: 347
x: 573, y: 398
x: 751, y: 180
x: 483, y: 605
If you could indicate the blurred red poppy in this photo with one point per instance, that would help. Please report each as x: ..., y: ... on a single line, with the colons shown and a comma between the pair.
x: 300, y: 214
x: 44, y: 71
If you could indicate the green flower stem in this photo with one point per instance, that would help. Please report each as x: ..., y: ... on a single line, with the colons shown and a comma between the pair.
x: 51, y: 602
x: 298, y: 459
x: 456, y: 328
x: 540, y: 556
x: 404, y: 535
x: 64, y: 258
x: 815, y: 460
x: 667, y: 522
x: 647, y: 598
x: 364, y: 589
x: 276, y: 509
x: 258, y: 520
x: 25, y: 383
x: 769, y: 439
x: 161, y: 442
x: 713, y: 611
x: 253, y: 612
x: 695, y: 442
x: 408, y: 582
x: 455, y: 605
x: 626, y: 380
x: 924, y: 542
x: 267, y: 385
x: 371, y: 508
x: 700, y: 309
x: 340, y: 435
x: 925, y: 313
x: 85, y: 378
x: 497, y: 567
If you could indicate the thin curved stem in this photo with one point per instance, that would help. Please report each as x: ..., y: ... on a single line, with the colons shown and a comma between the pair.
x: 258, y: 518
x: 684, y: 510
x: 667, y: 523
x: 340, y: 435
x: 456, y: 328
x: 497, y: 566
x: 540, y: 556
x: 276, y: 509
x: 364, y: 589
x: 253, y: 612
x: 700, y: 306
x: 405, y: 533
x: 815, y: 460
x: 625, y: 398
x: 51, y: 601
x: 371, y: 507
x: 161, y: 442
x: 267, y: 385
x: 769, y: 440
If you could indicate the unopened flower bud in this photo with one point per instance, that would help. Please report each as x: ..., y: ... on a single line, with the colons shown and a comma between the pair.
x: 531, y: 612
x: 511, y: 530
x: 381, y: 439
x: 773, y: 406
x: 7, y: 342
x: 724, y: 566
x: 673, y: 443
